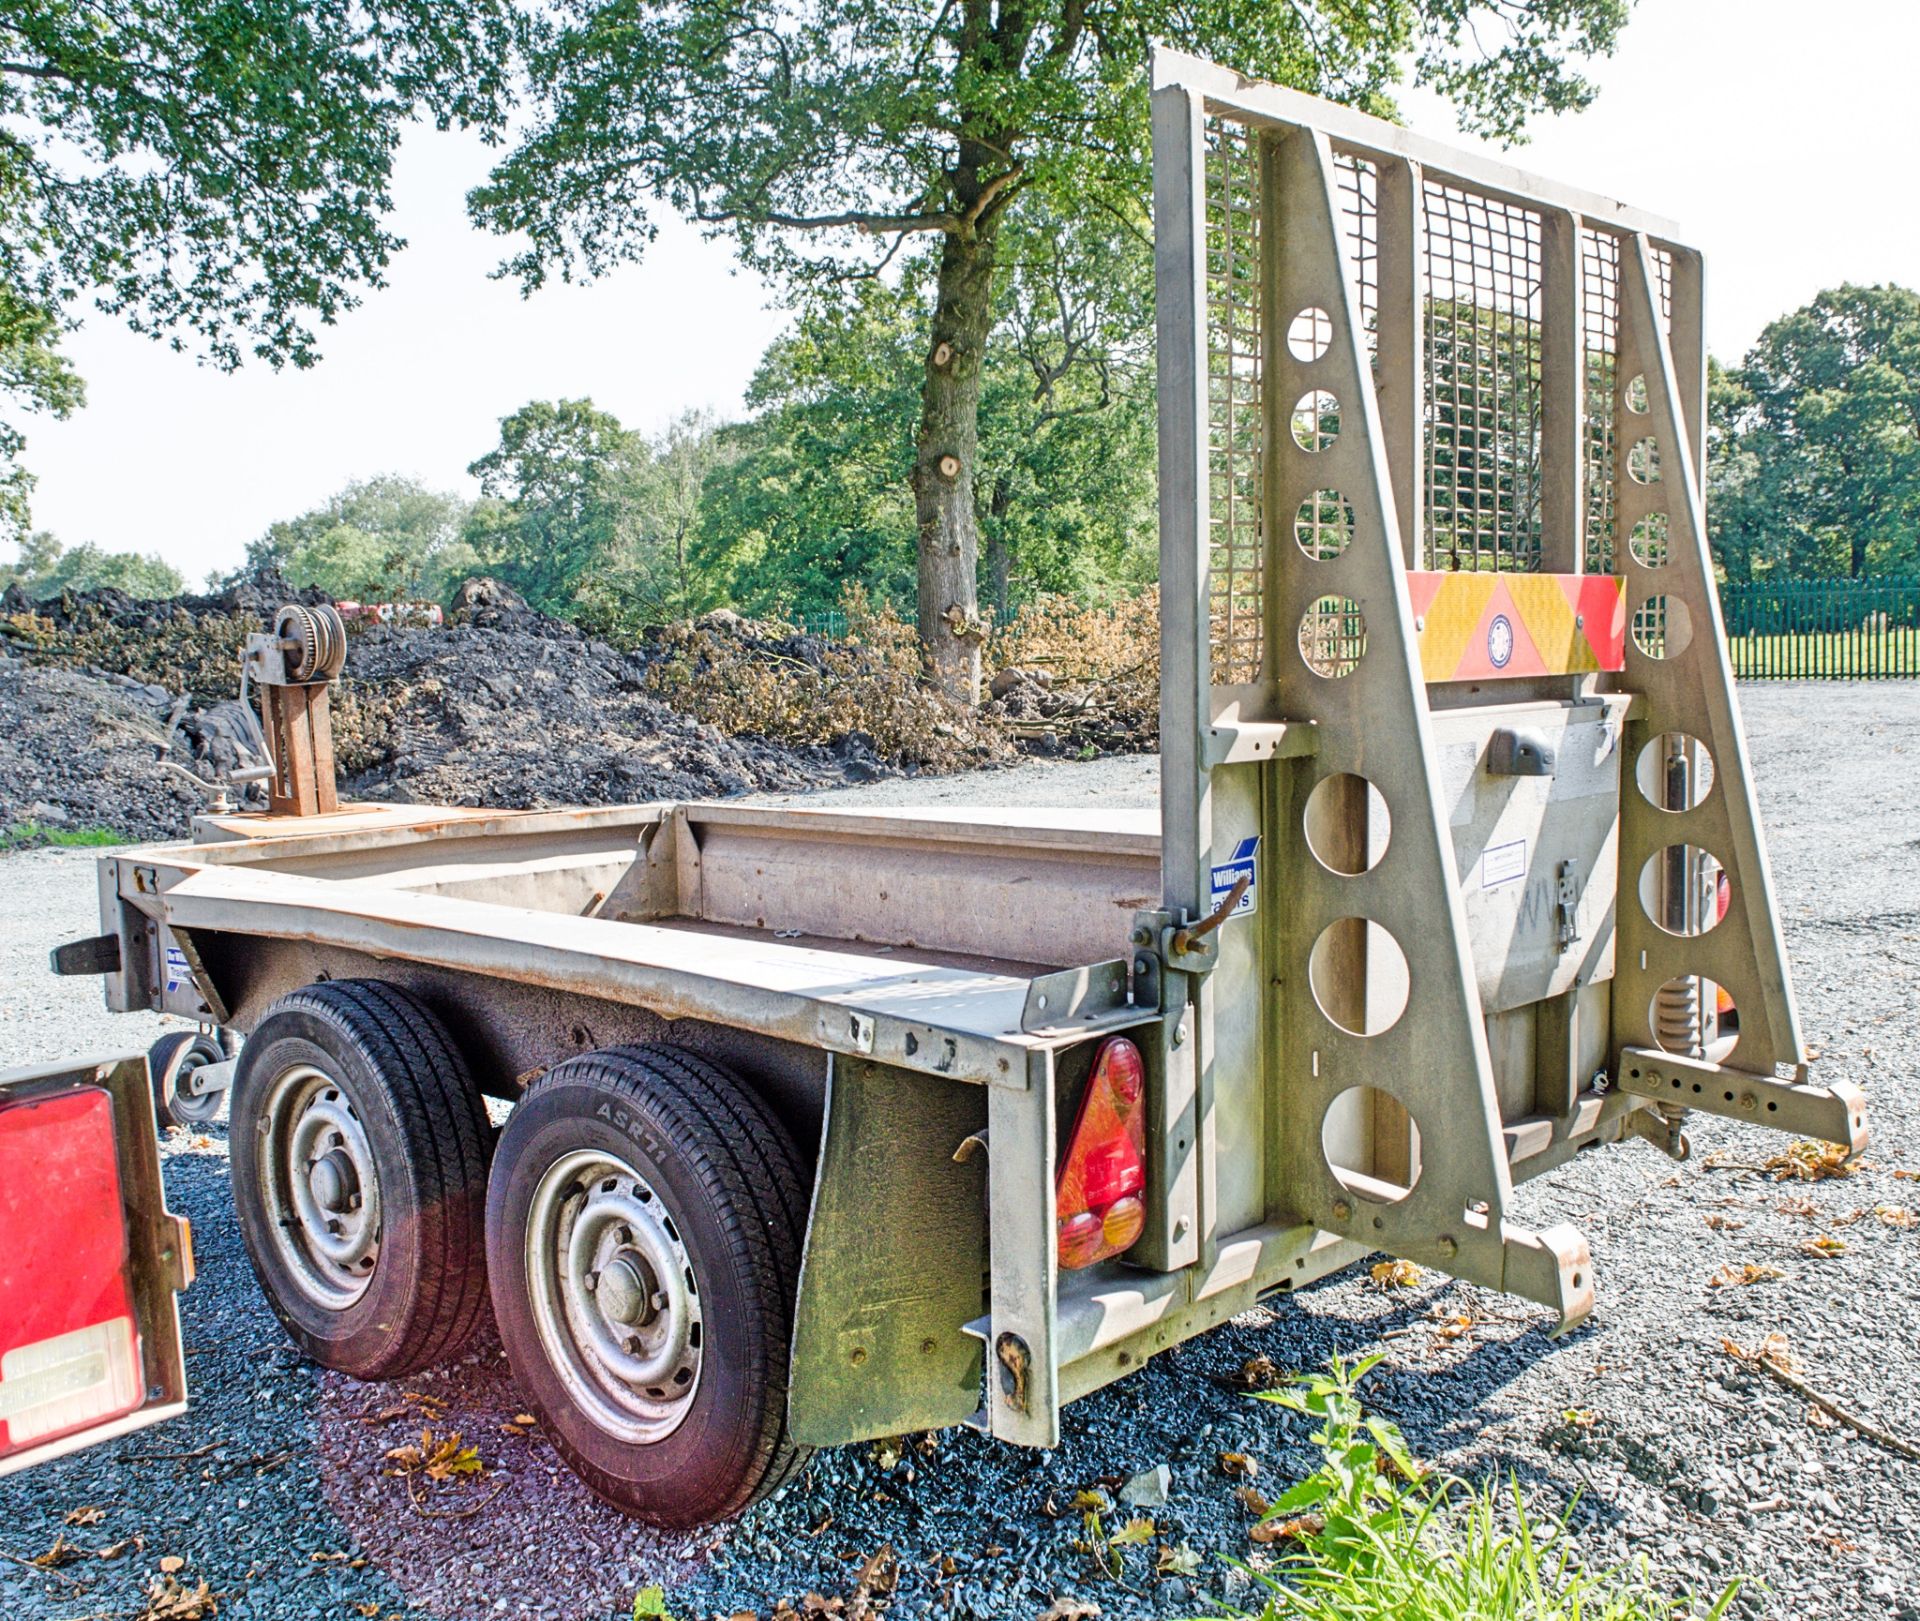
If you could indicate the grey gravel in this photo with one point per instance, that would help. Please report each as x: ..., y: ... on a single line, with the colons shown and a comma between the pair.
x: 1675, y: 1453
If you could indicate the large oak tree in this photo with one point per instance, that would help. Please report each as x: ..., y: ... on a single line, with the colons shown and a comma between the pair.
x: 829, y: 137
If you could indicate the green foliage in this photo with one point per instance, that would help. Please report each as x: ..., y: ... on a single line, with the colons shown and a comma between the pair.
x: 45, y: 568
x: 38, y: 835
x: 34, y: 377
x: 213, y: 171
x: 561, y: 486
x: 1376, y: 1539
x: 385, y: 539
x: 1814, y: 449
x: 650, y: 1604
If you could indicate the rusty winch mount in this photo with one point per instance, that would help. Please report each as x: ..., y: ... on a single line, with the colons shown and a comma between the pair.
x: 294, y: 666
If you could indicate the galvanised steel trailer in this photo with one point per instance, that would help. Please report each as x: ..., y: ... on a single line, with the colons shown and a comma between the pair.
x: 830, y: 1125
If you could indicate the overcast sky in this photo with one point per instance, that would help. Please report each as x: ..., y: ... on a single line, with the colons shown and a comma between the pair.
x: 1781, y: 138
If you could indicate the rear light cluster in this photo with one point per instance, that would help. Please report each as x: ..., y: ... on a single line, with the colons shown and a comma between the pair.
x: 1098, y: 1206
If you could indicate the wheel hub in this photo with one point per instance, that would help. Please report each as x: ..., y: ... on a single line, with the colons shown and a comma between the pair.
x: 614, y: 1295
x: 323, y: 1195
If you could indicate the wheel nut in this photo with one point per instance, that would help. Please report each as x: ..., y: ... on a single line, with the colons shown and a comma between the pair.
x: 590, y: 1282
x: 658, y: 1300
x: 633, y: 1344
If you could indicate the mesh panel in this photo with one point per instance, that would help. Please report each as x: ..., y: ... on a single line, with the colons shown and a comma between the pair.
x: 1600, y: 316
x: 1358, y: 196
x: 1233, y: 398
x: 1482, y: 457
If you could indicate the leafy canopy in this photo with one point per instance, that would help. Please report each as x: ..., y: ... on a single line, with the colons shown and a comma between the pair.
x: 1815, y: 449
x: 214, y: 171
x: 45, y: 568
x: 822, y: 134
x: 386, y: 539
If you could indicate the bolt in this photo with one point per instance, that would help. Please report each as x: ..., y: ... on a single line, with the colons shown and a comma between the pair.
x: 633, y: 1345
x: 590, y: 1282
x: 1143, y: 936
x: 658, y: 1300
x: 1180, y: 1225
x: 1749, y: 1102
x: 858, y: 1355
x: 1179, y: 1037
x: 354, y: 1201
x: 1449, y: 1245
x: 1342, y: 1211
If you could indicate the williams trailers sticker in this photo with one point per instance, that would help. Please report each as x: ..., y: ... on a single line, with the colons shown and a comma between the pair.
x: 1241, y: 864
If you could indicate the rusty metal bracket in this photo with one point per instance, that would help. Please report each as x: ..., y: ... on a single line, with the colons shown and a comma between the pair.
x: 1835, y: 1114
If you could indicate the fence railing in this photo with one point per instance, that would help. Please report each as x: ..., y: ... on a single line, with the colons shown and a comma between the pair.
x: 1809, y: 630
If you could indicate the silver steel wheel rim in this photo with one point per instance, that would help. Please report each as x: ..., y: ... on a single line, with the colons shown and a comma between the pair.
x: 323, y: 1196
x: 614, y: 1296
x: 189, y: 1103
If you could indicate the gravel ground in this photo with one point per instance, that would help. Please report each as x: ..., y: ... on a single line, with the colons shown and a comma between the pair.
x: 272, y: 1491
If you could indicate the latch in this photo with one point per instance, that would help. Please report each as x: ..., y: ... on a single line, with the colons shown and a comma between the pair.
x: 1566, y: 903
x: 1188, y: 945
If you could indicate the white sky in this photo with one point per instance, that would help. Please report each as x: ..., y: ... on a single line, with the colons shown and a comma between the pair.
x: 1779, y: 138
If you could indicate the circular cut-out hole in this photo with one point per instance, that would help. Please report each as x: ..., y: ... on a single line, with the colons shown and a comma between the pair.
x: 1684, y: 889
x: 1371, y: 1144
x: 1662, y: 627
x: 1310, y: 334
x: 1323, y: 525
x: 1674, y: 771
x: 1358, y: 974
x: 1316, y: 419
x: 1347, y: 823
x: 1333, y: 637
x: 1696, y: 1018
x: 1636, y: 395
x: 1649, y: 541
x: 1643, y: 461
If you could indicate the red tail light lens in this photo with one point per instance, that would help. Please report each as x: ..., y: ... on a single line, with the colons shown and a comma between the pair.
x: 1097, y: 1195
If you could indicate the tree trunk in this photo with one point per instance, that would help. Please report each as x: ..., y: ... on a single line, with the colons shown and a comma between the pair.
x: 947, y: 453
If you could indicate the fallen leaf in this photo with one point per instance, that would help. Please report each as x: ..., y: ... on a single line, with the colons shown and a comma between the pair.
x: 1906, y: 1176
x: 1743, y: 1275
x: 1395, y: 1274
x: 1811, y: 1162
x: 1070, y: 1609
x: 167, y: 1600
x: 1259, y: 1374
x: 126, y: 1545
x: 1136, y: 1532
x: 1725, y: 1224
x: 1252, y: 1501
x: 1288, y: 1530
x: 1093, y: 1501
x: 1896, y: 1215
x: 1454, y: 1327
x: 370, y: 1609
x: 1579, y: 1418
x: 61, y: 1553
x: 1826, y: 1246
x: 171, y: 1563
x: 523, y: 1419
x: 1239, y: 1465
x: 1798, y: 1207
x: 1180, y: 1561
x: 89, y: 1515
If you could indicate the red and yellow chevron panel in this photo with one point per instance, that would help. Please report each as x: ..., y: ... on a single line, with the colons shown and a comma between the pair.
x: 1490, y: 627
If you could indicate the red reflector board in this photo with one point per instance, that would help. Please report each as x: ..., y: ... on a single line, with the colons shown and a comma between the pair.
x: 69, y: 1347
x: 1491, y: 627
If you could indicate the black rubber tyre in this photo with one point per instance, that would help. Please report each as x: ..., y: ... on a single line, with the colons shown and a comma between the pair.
x: 170, y: 1060
x: 369, y: 1075
x: 715, y: 1174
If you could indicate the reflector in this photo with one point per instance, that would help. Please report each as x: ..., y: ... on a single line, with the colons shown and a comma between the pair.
x: 69, y: 1350
x: 1097, y: 1204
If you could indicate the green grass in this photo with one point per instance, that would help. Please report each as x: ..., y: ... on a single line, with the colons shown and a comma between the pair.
x: 37, y: 835
x: 1376, y: 1538
x: 1855, y: 654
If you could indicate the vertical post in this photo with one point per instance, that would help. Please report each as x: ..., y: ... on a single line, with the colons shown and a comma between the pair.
x: 1689, y: 346
x: 1562, y: 389
x: 1186, y: 680
x: 1401, y: 352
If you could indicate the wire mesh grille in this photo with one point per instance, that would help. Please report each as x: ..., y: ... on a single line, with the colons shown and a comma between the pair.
x: 1482, y: 384
x: 1234, y: 449
x: 1358, y: 181
x: 1599, y: 343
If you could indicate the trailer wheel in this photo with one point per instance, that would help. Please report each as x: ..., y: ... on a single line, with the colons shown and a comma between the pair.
x: 644, y: 1222
x: 360, y: 1146
x: 172, y: 1062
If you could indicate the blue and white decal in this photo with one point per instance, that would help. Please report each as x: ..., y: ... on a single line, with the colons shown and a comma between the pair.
x: 178, y: 973
x: 1500, y: 641
x: 1242, y: 863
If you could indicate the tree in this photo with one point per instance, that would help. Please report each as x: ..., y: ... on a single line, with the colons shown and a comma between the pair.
x: 384, y: 539
x: 46, y: 568
x: 1820, y: 470
x: 213, y: 171
x: 831, y: 138
x: 563, y: 484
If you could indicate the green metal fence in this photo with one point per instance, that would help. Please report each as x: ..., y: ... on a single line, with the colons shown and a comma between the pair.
x: 1811, y: 630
